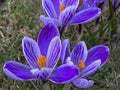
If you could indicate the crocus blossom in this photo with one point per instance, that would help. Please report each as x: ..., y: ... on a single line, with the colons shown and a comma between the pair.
x: 116, y: 4
x: 42, y: 57
x: 64, y: 12
x: 87, y: 61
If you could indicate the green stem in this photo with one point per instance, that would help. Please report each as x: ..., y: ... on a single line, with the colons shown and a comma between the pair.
x: 112, y: 18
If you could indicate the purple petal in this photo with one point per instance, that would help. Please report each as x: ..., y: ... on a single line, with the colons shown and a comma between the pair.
x: 54, y: 52
x: 42, y: 73
x: 100, y: 3
x: 47, y: 20
x: 89, y: 3
x: 17, y: 71
x: 83, y: 83
x: 65, y: 50
x: 116, y: 4
x: 31, y: 51
x: 92, y: 68
x: 66, y: 15
x: 79, y: 52
x: 49, y: 8
x: 70, y: 2
x: 45, y: 36
x: 98, y: 52
x: 64, y: 73
x: 86, y: 15
x: 56, y: 4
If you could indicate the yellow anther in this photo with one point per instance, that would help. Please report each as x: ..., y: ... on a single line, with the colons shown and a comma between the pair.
x: 62, y: 7
x: 81, y: 64
x: 42, y: 61
x: 80, y: 2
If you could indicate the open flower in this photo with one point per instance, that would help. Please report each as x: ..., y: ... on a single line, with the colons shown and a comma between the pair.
x: 42, y: 57
x: 87, y: 61
x: 64, y: 12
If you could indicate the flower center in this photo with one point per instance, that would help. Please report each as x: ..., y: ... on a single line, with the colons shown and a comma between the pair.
x: 80, y: 2
x: 62, y: 7
x: 42, y: 61
x: 81, y: 64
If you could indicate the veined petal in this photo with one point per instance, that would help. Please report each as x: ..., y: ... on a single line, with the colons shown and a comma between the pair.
x: 49, y: 8
x: 42, y: 73
x: 79, y: 52
x: 92, y: 68
x: 65, y: 50
x: 17, y: 71
x: 86, y: 15
x: 56, y: 4
x: 98, y: 52
x: 45, y: 36
x: 47, y: 20
x: 66, y: 15
x: 64, y: 73
x: 31, y: 51
x: 83, y: 83
x: 70, y: 2
x: 54, y: 52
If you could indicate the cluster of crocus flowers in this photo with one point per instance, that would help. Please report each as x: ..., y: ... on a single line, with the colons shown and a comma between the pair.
x: 42, y: 57
x: 87, y: 61
x: 65, y: 12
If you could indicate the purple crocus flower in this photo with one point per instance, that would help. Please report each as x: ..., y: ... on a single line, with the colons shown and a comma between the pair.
x: 87, y: 61
x: 116, y: 4
x: 42, y: 57
x: 64, y: 12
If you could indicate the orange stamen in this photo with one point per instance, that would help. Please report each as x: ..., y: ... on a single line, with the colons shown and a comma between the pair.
x: 81, y: 64
x: 80, y: 2
x: 62, y: 7
x: 42, y: 61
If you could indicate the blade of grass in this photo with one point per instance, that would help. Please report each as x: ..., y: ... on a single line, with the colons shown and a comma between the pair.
x: 36, y: 88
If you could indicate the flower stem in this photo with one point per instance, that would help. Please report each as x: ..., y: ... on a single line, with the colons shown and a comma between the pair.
x: 79, y: 29
x: 61, y: 29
